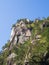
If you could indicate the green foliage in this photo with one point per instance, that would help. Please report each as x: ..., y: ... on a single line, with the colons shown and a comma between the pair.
x: 48, y: 18
x: 6, y: 45
x: 1, y: 60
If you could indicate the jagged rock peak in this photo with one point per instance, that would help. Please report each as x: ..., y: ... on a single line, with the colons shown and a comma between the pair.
x: 20, y: 32
x: 21, y: 21
x: 24, y: 20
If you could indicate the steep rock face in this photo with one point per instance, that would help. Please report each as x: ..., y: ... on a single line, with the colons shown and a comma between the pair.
x: 20, y: 33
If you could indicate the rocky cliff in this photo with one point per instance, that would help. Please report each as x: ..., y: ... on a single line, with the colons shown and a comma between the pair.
x: 20, y: 33
x: 28, y: 44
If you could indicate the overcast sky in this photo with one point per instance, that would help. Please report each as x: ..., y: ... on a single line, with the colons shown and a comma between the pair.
x: 11, y: 10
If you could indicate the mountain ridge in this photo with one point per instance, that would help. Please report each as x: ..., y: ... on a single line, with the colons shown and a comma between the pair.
x: 28, y: 44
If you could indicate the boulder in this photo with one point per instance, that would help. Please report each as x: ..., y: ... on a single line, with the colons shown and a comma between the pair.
x: 5, y: 49
x: 38, y: 37
x: 12, y: 55
x: 28, y: 33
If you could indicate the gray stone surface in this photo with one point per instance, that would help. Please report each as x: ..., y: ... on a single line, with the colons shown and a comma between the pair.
x: 19, y: 36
